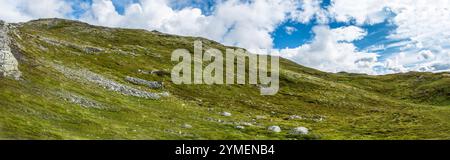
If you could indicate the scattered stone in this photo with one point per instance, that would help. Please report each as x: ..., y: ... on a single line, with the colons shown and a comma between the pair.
x: 300, y: 131
x: 226, y: 114
x: 292, y: 117
x: 8, y: 63
x: 149, y: 84
x: 186, y: 126
x: 275, y: 129
x: 246, y: 124
x: 240, y: 127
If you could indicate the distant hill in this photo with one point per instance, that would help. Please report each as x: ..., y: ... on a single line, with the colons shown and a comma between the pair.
x: 72, y: 80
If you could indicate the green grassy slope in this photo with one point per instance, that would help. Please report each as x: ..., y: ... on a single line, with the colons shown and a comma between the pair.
x: 332, y: 106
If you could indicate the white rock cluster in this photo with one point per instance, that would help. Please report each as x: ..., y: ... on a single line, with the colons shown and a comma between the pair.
x: 8, y: 63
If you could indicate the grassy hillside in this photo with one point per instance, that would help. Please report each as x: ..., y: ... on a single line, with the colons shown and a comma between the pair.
x: 60, y: 96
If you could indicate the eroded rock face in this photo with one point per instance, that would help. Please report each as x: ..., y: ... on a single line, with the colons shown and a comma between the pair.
x: 8, y: 63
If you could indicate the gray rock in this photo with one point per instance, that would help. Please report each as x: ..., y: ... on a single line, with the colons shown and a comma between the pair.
x: 226, y: 114
x: 186, y: 126
x: 275, y: 129
x: 240, y: 127
x: 92, y: 50
x: 150, y: 84
x: 9, y: 66
x: 300, y: 131
x: 80, y: 100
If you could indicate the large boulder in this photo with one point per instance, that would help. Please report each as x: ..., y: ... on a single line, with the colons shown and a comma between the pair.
x: 275, y: 129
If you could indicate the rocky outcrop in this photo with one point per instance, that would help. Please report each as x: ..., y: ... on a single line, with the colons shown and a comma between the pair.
x: 8, y: 63
x: 149, y: 84
x: 85, y: 75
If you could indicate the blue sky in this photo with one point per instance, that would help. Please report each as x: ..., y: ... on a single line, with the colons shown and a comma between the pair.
x: 364, y: 36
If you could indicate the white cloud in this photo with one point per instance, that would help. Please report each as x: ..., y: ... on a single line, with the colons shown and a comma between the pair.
x: 233, y: 22
x: 361, y: 11
x: 349, y: 34
x: 24, y: 10
x: 309, y: 10
x: 333, y: 53
x: 422, y: 29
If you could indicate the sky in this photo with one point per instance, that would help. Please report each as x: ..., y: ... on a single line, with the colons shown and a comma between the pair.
x: 364, y: 36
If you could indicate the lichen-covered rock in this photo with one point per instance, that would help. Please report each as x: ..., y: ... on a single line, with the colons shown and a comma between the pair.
x: 8, y: 63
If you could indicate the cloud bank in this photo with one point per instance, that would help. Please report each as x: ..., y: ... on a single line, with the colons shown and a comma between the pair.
x: 421, y: 34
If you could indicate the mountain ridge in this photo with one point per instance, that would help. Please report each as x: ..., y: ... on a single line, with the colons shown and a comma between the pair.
x: 51, y: 103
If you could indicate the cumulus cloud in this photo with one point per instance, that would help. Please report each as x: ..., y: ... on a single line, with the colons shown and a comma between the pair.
x: 239, y: 23
x: 310, y: 9
x: 349, y: 34
x: 24, y: 10
x: 422, y: 29
x: 332, y: 51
